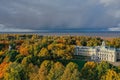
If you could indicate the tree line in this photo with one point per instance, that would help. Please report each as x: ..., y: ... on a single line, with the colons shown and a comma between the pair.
x: 51, y: 70
x: 37, y: 57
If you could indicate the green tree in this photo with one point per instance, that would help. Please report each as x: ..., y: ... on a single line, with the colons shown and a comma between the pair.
x: 27, y: 60
x: 71, y: 72
x: 11, y: 55
x: 88, y: 71
x: 56, y: 71
x: 102, y: 68
x: 15, y: 71
x: 44, y: 53
x: 44, y: 70
x: 31, y: 70
x: 110, y: 75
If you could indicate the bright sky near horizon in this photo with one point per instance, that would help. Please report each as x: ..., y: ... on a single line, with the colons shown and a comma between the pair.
x: 64, y: 14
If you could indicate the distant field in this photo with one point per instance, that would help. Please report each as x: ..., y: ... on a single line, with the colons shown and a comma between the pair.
x: 108, y: 34
x: 106, y: 38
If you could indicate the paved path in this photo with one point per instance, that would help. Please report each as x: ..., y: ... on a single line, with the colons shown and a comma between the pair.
x: 115, y: 63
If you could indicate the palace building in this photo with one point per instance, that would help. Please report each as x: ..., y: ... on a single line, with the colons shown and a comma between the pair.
x: 99, y: 53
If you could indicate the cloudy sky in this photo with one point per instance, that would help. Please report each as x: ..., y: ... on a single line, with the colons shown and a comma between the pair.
x: 58, y: 14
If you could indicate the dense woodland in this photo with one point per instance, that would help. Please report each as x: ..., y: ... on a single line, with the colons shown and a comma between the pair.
x: 37, y: 57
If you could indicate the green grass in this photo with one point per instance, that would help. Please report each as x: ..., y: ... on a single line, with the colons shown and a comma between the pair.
x: 80, y: 57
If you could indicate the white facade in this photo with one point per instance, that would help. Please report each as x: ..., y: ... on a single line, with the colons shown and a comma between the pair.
x: 99, y: 53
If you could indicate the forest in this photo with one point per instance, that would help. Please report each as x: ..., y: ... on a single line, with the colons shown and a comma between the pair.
x: 38, y: 57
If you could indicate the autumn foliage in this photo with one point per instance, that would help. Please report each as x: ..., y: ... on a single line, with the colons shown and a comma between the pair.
x: 38, y: 57
x: 3, y: 67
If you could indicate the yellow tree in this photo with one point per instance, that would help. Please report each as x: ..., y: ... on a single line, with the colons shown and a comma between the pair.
x: 24, y: 50
x: 56, y: 71
x: 3, y: 67
x: 44, y: 70
x: 71, y: 72
x: 44, y: 52
x: 15, y: 71
x: 110, y: 75
x: 50, y: 47
x: 88, y: 71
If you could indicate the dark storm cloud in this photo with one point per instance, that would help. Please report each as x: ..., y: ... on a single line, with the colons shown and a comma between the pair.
x: 47, y: 14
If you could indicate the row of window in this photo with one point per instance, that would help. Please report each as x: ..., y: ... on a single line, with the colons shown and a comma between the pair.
x: 103, y: 58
